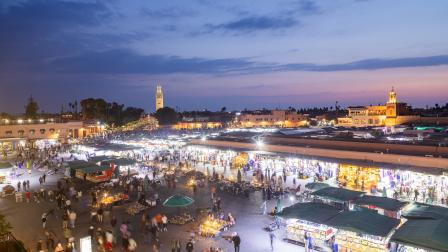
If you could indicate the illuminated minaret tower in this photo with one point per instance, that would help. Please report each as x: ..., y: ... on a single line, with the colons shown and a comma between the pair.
x: 159, y: 97
x: 391, y: 105
x: 392, y: 96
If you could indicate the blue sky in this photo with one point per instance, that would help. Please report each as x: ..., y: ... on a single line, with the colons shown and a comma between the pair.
x: 209, y: 54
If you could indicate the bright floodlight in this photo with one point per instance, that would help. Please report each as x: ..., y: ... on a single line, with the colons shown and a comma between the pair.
x: 203, y: 138
x: 291, y: 198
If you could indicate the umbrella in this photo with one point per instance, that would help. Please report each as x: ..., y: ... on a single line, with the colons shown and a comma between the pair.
x: 178, y: 201
x: 316, y: 186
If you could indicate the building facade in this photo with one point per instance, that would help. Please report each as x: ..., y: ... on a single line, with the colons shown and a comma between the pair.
x: 271, y: 118
x: 48, y: 130
x: 390, y: 114
x: 159, y: 97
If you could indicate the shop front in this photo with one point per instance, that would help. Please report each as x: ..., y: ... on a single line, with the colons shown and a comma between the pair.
x: 363, y: 231
x: 308, y: 220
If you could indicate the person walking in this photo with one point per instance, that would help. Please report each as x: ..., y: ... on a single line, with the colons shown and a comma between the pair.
x: 178, y: 246
x: 236, y: 242
x: 72, y: 217
x: 189, y: 246
x: 164, y: 223
x: 40, y: 246
x: 264, y: 207
x: 64, y: 220
x: 99, y: 214
x: 271, y: 239
x: 132, y: 245
x: 59, y: 248
x: 28, y: 196
x: 44, y: 220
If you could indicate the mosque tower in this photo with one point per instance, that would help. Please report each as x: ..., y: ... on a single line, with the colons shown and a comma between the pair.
x: 392, y: 104
x: 159, y: 97
x: 392, y: 96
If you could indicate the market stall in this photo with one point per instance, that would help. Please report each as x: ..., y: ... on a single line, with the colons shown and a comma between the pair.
x: 6, y: 171
x: 358, y: 178
x: 383, y: 205
x: 122, y: 166
x: 316, y: 186
x: 362, y: 231
x: 181, y: 219
x: 309, y: 218
x: 114, y: 199
x: 136, y: 208
x: 417, y: 210
x: 336, y: 196
x: 212, y: 227
x: 94, y: 173
x: 422, y: 236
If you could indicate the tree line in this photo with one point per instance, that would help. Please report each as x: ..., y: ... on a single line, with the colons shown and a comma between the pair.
x: 98, y: 109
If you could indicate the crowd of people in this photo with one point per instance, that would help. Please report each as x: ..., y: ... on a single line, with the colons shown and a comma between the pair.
x: 70, y: 197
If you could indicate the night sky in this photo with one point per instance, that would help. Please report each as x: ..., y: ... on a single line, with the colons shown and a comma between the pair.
x: 209, y: 54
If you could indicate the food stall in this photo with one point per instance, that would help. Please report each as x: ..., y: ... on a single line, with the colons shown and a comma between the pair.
x: 181, y: 219
x: 123, y: 166
x: 114, y: 199
x: 136, y: 208
x: 212, y: 227
x: 94, y: 173
x: 309, y: 218
x: 362, y: 231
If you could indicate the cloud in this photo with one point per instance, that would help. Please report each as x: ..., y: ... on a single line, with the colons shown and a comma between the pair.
x: 124, y: 61
x: 169, y: 13
x: 38, y: 31
x: 255, y: 23
x: 372, y: 64
x: 304, y: 7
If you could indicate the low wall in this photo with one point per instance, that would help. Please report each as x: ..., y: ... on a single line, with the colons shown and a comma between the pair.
x: 381, y: 147
x: 405, y: 160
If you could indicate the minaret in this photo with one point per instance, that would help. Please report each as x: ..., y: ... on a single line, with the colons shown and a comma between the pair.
x: 392, y: 96
x: 391, y: 105
x: 159, y: 97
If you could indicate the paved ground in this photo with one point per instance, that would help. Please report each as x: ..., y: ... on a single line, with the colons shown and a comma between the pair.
x: 25, y: 218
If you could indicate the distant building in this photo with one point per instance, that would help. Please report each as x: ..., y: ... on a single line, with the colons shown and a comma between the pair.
x: 159, y: 97
x: 271, y: 118
x: 204, y: 120
x: 146, y: 122
x: 29, y: 131
x: 390, y: 114
x: 197, y: 125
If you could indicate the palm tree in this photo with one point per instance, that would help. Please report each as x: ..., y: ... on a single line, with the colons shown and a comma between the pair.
x: 75, y: 105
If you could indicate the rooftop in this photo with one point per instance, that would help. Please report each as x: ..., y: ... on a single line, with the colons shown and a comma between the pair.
x: 364, y: 222
x: 380, y: 202
x: 337, y: 194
